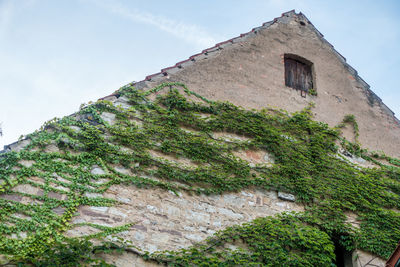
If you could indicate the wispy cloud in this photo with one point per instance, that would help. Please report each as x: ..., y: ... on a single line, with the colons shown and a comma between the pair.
x: 188, y: 32
x: 6, y: 13
x: 8, y: 10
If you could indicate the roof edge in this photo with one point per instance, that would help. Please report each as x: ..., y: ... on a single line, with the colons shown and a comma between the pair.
x: 291, y: 13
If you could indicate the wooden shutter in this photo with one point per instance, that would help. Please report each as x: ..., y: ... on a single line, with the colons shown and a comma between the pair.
x: 298, y: 75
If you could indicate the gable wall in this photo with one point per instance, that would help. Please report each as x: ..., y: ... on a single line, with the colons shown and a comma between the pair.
x: 250, y: 73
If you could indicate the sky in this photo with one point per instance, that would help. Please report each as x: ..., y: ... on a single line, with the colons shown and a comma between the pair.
x: 56, y: 55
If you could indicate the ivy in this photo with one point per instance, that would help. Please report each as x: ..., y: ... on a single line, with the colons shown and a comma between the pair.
x: 170, y: 142
x: 281, y: 241
x: 350, y: 119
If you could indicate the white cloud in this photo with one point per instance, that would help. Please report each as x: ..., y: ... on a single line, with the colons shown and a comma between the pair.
x: 188, y: 32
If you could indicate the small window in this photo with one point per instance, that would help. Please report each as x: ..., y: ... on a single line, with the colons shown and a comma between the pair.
x: 298, y: 73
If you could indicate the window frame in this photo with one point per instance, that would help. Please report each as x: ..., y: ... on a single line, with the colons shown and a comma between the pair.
x: 302, y: 61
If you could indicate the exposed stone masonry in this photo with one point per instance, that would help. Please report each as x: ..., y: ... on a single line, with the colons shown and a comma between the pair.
x: 165, y: 220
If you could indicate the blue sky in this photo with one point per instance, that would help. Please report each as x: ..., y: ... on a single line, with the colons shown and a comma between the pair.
x: 55, y: 55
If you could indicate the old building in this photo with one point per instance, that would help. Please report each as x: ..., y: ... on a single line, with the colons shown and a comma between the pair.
x: 249, y: 71
x: 283, y: 64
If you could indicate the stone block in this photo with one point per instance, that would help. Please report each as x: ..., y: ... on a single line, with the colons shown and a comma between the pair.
x: 22, y: 216
x: 211, y: 232
x: 94, y: 213
x: 37, y: 180
x: 173, y: 211
x: 57, y: 195
x: 122, y: 102
x: 189, y: 228
x: 60, y: 179
x: 198, y: 217
x: 194, y: 237
x: 123, y: 200
x: 172, y: 232
x: 139, y: 227
x: 152, y: 209
x: 258, y: 200
x: 139, y: 236
x: 281, y: 205
x: 20, y: 235
x: 206, y: 207
x: 75, y: 128
x: 108, y: 117
x: 12, y: 197
x: 268, y: 158
x: 99, y: 209
x: 60, y: 187
x: 362, y: 258
x: 20, y: 145
x: 27, y: 189
x: 97, y: 171
x: 59, y: 210
x: 92, y: 195
x: 122, y: 170
x: 83, y: 230
x: 229, y: 213
x: 117, y: 212
x: 244, y: 193
x: 234, y: 200
x: 160, y: 238
x: 286, y: 196
x: 101, y: 181
x: 27, y: 163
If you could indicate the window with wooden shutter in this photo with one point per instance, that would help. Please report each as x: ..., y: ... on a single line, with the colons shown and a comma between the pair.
x: 298, y: 73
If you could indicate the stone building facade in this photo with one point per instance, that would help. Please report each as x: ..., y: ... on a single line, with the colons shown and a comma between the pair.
x: 248, y: 71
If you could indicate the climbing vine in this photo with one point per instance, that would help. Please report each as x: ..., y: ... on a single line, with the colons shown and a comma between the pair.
x: 281, y: 241
x: 350, y: 119
x: 166, y: 137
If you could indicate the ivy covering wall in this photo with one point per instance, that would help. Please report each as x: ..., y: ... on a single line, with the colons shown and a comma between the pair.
x: 182, y: 124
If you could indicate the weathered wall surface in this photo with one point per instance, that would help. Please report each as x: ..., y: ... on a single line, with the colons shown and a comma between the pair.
x: 250, y: 73
x: 166, y: 221
x: 364, y: 259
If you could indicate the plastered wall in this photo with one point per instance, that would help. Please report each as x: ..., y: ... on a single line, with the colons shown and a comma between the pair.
x: 250, y: 73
